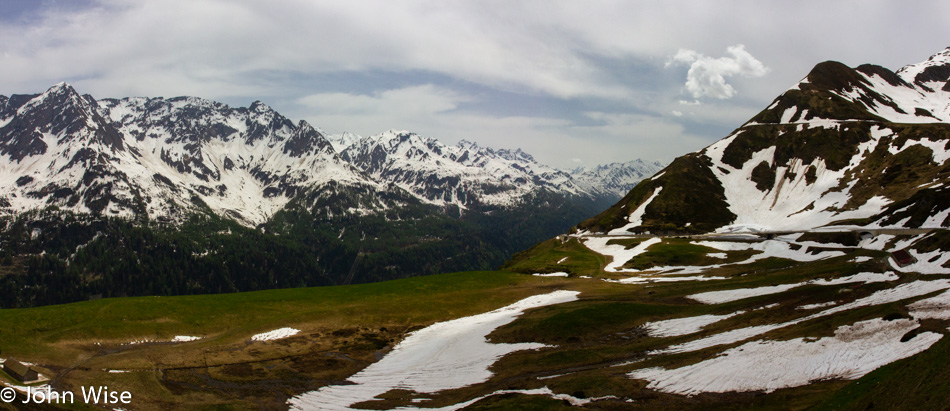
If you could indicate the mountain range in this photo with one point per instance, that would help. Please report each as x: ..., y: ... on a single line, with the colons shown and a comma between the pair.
x: 359, y: 201
x: 801, y: 262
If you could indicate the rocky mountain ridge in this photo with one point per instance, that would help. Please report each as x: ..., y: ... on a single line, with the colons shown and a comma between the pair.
x: 843, y: 146
x: 159, y: 159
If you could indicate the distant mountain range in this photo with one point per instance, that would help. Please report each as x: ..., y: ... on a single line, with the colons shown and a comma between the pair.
x: 356, y: 202
x: 151, y: 157
x: 862, y: 146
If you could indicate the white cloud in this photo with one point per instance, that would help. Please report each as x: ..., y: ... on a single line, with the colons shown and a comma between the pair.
x: 707, y: 75
x: 677, y: 113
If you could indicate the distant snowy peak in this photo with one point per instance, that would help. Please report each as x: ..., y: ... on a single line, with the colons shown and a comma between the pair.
x: 617, y: 178
x: 163, y: 158
x: 465, y: 174
x: 343, y: 140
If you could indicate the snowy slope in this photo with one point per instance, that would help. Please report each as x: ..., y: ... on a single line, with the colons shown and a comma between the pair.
x: 843, y: 144
x: 159, y: 157
x: 465, y: 175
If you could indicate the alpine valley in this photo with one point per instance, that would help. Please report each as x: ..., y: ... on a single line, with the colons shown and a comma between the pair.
x: 155, y: 196
x: 802, y: 262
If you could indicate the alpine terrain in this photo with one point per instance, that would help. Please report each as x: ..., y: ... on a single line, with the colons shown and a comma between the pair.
x: 802, y: 262
x: 140, y: 196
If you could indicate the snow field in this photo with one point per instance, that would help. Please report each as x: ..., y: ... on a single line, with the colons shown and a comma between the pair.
x: 619, y: 253
x: 890, y: 295
x: 927, y: 263
x: 762, y: 365
x: 718, y: 297
x: 442, y: 356
x: 683, y: 326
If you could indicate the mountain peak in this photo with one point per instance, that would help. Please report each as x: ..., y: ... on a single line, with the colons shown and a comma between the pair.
x: 935, y: 68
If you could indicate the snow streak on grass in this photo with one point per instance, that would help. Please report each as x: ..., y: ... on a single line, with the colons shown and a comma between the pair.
x: 443, y: 356
x: 852, y: 352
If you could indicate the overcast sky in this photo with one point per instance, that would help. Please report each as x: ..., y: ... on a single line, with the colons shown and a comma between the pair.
x: 571, y: 82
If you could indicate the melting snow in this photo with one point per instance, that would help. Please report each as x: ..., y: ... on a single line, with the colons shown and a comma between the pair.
x: 276, y: 334
x: 816, y: 305
x: 445, y: 355
x: 636, y: 216
x: 723, y: 296
x: 619, y: 252
x: 934, y: 307
x: 552, y: 275
x: 683, y: 326
x: 852, y: 352
x: 927, y: 263
x: 890, y: 295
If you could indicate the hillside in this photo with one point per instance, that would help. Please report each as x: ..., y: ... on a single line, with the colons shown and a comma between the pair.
x: 844, y: 145
x: 844, y: 305
x: 170, y: 196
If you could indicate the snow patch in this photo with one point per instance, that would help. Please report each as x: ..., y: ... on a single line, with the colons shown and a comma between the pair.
x: 723, y: 296
x: 275, y: 334
x: 851, y: 353
x: 636, y: 216
x: 559, y: 274
x: 683, y: 326
x: 619, y: 252
x: 442, y: 356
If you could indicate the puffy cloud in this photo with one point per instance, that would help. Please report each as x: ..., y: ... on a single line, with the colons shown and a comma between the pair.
x: 707, y: 75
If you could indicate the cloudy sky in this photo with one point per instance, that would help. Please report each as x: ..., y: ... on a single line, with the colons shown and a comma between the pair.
x: 572, y: 82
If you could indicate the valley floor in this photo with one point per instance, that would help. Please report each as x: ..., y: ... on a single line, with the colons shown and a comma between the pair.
x: 818, y: 320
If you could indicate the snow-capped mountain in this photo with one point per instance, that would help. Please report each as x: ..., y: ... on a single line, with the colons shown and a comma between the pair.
x: 158, y: 157
x: 343, y: 140
x: 162, y: 158
x: 464, y: 175
x: 855, y: 144
x: 617, y: 178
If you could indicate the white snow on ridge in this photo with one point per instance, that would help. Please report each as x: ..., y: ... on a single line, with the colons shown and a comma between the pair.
x: 445, y: 355
x: 276, y: 334
x: 851, y: 353
x: 619, y: 253
x: 781, y: 206
x: 636, y: 216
